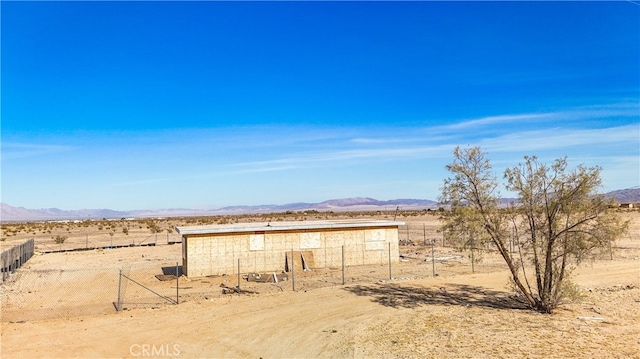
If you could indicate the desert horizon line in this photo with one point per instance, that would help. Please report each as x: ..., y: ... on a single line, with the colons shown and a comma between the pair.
x: 357, y: 203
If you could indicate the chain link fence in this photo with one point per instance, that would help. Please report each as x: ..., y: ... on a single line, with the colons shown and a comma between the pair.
x: 57, y: 293
x: 137, y: 289
x: 13, y: 258
x: 73, y: 285
x: 80, y: 242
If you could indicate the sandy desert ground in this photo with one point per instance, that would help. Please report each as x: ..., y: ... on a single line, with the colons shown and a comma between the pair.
x: 61, y: 305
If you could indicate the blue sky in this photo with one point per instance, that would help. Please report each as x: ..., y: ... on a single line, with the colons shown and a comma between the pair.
x: 148, y: 105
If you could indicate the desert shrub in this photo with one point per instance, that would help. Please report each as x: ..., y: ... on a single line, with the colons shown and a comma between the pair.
x: 60, y: 239
x: 558, y: 221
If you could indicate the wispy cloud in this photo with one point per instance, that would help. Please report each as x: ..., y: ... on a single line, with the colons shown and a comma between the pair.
x: 558, y: 138
x: 202, y: 175
x: 271, y: 140
x: 491, y: 120
x: 16, y: 150
x: 341, y: 156
x: 259, y: 169
x: 376, y: 141
x: 605, y: 111
x: 503, y: 142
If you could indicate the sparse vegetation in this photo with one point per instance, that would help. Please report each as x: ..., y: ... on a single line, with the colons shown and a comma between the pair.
x: 558, y: 221
x: 60, y: 239
x: 153, y: 226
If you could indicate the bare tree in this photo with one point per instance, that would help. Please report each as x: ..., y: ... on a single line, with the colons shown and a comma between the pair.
x: 558, y: 220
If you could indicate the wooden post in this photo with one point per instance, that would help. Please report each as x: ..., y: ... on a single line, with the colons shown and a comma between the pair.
x: 238, y: 276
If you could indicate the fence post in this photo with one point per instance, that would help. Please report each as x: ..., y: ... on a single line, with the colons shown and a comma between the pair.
x: 424, y: 234
x: 473, y: 265
x: 238, y: 276
x: 293, y: 274
x: 177, y: 284
x: 343, y: 265
x: 433, y: 258
x: 119, y: 303
x: 390, y: 260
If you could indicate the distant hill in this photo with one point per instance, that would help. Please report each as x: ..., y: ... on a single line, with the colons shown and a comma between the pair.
x: 629, y: 195
x: 21, y: 214
x: 9, y: 213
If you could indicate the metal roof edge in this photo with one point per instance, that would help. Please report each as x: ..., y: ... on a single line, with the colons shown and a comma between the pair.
x: 283, y: 226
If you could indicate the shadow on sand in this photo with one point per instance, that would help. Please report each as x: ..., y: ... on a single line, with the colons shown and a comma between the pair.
x: 407, y: 296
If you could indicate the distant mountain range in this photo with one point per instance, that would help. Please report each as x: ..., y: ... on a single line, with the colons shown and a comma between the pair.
x: 20, y: 214
x: 629, y: 195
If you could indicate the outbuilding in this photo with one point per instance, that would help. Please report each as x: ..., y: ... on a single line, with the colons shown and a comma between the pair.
x: 277, y: 246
